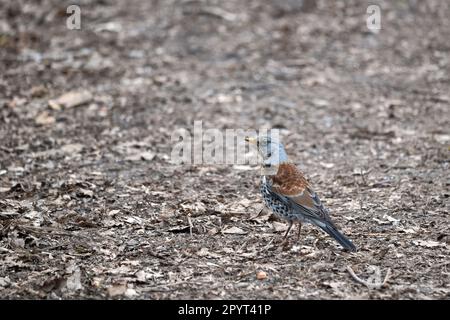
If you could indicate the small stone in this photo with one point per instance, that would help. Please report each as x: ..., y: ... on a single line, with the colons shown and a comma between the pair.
x: 261, y: 275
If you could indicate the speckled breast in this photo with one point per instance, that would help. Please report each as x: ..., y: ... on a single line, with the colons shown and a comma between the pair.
x: 278, y: 207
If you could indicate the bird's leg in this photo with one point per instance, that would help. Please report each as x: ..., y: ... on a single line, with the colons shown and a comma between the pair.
x: 299, y: 231
x: 287, y: 232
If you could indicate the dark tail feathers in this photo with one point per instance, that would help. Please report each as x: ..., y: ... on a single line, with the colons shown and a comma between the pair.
x: 343, y: 241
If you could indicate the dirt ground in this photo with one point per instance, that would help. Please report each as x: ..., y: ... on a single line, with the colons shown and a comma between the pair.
x: 91, y: 206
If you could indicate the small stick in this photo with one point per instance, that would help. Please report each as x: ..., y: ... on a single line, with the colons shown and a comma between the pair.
x: 258, y: 214
x: 268, y: 245
x: 387, y: 277
x: 368, y: 284
x: 191, y: 226
x: 51, y: 231
x: 154, y: 287
x: 217, y: 13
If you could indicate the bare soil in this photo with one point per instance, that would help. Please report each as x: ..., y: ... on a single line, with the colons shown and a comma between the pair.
x: 91, y: 207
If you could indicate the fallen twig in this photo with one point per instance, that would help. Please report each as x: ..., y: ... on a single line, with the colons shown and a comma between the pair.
x: 369, y: 284
x: 52, y: 231
x: 215, y: 12
x: 268, y: 244
x: 258, y: 214
x: 443, y: 264
x: 191, y: 226
x: 171, y: 284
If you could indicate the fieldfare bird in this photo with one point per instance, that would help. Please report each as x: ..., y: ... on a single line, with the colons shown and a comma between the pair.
x: 288, y: 194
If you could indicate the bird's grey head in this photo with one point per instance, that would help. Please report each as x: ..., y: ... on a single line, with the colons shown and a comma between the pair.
x: 271, y: 149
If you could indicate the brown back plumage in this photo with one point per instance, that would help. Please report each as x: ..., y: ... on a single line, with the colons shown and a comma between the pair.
x: 289, y: 180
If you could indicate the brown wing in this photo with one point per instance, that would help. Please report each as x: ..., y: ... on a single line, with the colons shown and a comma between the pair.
x: 289, y: 180
x: 290, y: 183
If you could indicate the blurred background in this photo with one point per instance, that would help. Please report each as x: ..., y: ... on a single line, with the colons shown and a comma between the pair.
x: 90, y: 205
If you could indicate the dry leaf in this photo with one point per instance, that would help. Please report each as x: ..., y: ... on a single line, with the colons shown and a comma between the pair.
x: 44, y: 119
x: 16, y: 241
x: 4, y: 282
x: 387, y: 220
x: 53, y: 105
x: 411, y: 230
x: 279, y: 226
x: 429, y: 243
x: 234, y: 230
x: 113, y: 212
x: 213, y: 231
x: 204, y: 252
x: 96, y: 282
x: 73, y: 282
x: 242, y: 167
x: 71, y: 99
x: 72, y: 148
x: 117, y: 290
x: 391, y: 219
x: 145, y: 155
x: 228, y: 250
x: 327, y: 165
x: 86, y: 193
x: 141, y: 275
x: 130, y: 292
x: 133, y: 220
x: 320, y: 102
x: 336, y: 285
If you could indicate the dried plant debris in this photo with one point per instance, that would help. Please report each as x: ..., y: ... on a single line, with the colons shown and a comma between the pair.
x: 91, y: 206
x: 71, y: 99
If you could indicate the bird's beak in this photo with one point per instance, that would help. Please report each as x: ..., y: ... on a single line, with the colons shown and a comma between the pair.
x: 251, y: 140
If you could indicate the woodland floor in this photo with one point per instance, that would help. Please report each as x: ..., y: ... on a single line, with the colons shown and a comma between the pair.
x: 91, y: 207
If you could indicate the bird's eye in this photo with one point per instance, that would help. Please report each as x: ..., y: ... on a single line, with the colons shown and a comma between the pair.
x: 269, y: 154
